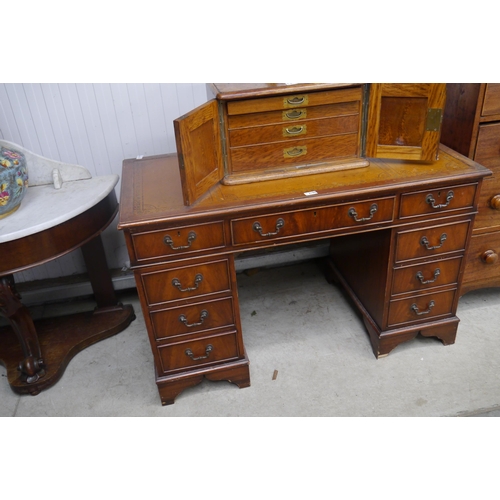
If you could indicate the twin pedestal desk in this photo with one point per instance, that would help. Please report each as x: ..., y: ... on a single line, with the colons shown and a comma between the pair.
x: 399, y: 231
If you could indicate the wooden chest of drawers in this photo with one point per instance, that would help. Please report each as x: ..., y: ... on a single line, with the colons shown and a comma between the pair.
x: 471, y: 126
x: 398, y: 239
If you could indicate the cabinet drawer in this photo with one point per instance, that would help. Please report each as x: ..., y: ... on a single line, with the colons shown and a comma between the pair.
x: 315, y: 220
x: 483, y: 259
x: 185, y: 282
x: 491, y: 104
x: 293, y: 115
x: 194, y: 318
x: 286, y: 131
x: 177, y: 240
x: 426, y: 275
x: 430, y: 241
x: 488, y: 146
x: 299, y: 151
x: 421, y: 307
x: 199, y: 352
x: 292, y: 101
x: 438, y: 200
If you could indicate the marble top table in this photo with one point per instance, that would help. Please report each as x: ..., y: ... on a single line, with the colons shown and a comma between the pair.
x: 65, y: 208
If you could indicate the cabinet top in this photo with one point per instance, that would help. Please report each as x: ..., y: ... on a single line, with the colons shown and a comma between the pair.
x: 151, y: 188
x: 233, y: 91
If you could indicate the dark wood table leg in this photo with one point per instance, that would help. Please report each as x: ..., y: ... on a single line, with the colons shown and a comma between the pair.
x: 32, y: 367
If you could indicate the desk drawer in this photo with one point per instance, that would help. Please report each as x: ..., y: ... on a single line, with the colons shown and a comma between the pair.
x: 171, y: 284
x: 421, y: 308
x: 483, y: 259
x: 199, y: 352
x: 431, y: 241
x: 289, y: 116
x: 177, y: 241
x: 293, y: 101
x: 299, y: 151
x: 426, y: 275
x: 183, y: 320
x: 289, y: 224
x: 438, y: 200
x: 491, y: 104
x: 285, y: 131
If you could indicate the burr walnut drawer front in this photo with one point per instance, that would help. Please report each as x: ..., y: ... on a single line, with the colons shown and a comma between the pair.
x: 293, y: 101
x: 177, y: 240
x: 183, y: 320
x: 426, y: 275
x: 438, y: 200
x: 315, y: 220
x: 421, y: 307
x: 198, y: 352
x: 431, y: 241
x: 177, y: 283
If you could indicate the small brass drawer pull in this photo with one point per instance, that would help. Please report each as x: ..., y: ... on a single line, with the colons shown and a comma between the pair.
x: 420, y: 277
x: 432, y: 202
x: 208, y: 350
x: 296, y: 130
x: 352, y: 213
x: 197, y: 280
x: 425, y: 242
x: 294, y: 114
x: 203, y: 316
x: 258, y: 228
x: 296, y: 100
x: 294, y: 152
x: 414, y: 308
x: 191, y: 237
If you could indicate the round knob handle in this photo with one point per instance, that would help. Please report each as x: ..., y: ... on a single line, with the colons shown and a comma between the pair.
x: 489, y: 257
x: 495, y: 202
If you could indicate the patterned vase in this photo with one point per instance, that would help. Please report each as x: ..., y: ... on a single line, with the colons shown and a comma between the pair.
x: 13, y: 180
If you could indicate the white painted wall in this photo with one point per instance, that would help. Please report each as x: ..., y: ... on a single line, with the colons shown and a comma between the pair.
x: 97, y: 126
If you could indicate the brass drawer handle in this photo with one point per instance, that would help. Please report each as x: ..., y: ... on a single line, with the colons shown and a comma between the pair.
x: 294, y: 152
x: 296, y: 100
x: 425, y: 242
x: 414, y: 308
x: 420, y: 277
x: 203, y: 316
x: 208, y: 350
x: 432, y: 202
x: 295, y: 130
x: 191, y: 237
x: 352, y: 213
x: 295, y: 114
x: 258, y: 228
x: 197, y: 280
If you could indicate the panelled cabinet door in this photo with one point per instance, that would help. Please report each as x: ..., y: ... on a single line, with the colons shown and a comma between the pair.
x: 197, y: 136
x: 404, y: 120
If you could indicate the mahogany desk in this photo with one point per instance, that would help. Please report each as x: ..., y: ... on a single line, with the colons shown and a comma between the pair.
x: 398, y: 230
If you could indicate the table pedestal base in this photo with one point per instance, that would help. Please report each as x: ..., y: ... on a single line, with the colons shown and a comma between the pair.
x: 60, y: 339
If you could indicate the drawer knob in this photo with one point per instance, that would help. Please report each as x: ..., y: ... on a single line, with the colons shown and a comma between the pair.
x: 495, y: 202
x: 489, y: 257
x: 191, y: 237
x: 432, y: 202
x: 420, y: 277
x: 415, y: 309
x: 352, y: 213
x: 258, y: 228
x: 208, y: 350
x: 425, y: 242
x: 197, y: 280
x: 203, y: 316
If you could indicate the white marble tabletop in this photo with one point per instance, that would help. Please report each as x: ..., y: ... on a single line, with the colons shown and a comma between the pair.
x: 44, y: 207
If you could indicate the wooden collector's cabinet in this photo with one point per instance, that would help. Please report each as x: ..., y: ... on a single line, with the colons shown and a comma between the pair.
x: 257, y: 132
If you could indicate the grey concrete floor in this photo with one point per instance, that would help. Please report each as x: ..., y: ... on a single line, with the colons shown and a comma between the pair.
x: 294, y: 322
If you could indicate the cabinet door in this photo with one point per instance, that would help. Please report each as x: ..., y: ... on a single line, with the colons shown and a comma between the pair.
x: 197, y: 136
x: 404, y: 120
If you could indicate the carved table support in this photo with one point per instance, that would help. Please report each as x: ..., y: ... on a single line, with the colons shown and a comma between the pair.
x: 32, y: 367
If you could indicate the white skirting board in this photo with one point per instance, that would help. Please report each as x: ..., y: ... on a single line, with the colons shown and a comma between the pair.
x: 59, y: 290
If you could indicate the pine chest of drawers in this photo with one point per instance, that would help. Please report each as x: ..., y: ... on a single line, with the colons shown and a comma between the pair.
x: 399, y: 234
